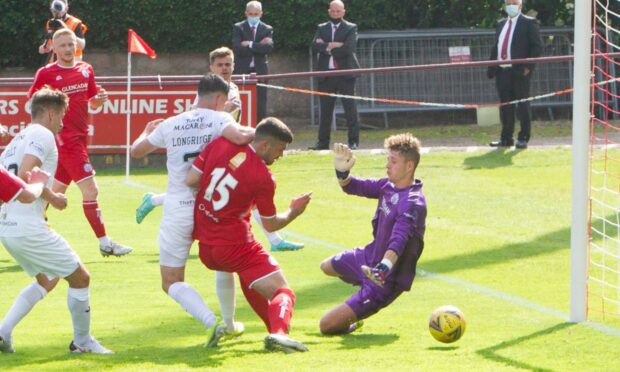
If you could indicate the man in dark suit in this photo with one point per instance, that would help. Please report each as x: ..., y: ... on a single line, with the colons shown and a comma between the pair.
x: 335, y: 42
x: 517, y: 36
x: 252, y: 40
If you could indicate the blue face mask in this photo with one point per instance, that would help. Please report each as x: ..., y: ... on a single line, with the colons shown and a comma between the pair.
x: 253, y: 21
x: 512, y: 10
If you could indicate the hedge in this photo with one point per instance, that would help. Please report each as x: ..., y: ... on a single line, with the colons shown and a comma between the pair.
x: 200, y: 25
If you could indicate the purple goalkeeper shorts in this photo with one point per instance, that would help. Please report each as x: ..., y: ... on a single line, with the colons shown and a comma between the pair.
x: 370, y: 298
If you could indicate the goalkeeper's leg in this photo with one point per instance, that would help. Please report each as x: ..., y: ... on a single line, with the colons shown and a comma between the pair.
x: 339, y: 320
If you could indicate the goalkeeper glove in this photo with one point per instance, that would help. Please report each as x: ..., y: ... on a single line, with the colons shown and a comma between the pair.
x: 343, y: 160
x: 377, y: 274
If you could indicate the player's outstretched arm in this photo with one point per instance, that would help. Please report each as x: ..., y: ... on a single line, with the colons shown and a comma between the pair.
x: 237, y: 134
x: 297, y: 207
x: 343, y: 162
x: 141, y: 146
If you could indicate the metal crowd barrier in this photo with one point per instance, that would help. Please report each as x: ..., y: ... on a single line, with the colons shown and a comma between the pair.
x: 469, y: 85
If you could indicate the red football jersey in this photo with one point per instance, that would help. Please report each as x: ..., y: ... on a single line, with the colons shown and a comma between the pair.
x: 10, y: 186
x: 78, y: 82
x: 234, y: 180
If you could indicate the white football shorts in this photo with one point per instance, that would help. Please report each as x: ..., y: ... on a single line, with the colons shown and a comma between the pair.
x: 46, y: 253
x: 175, y: 232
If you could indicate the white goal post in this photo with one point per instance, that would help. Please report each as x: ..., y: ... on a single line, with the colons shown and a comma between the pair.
x: 581, y: 158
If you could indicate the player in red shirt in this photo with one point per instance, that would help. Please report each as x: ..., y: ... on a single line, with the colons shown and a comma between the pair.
x: 13, y: 188
x: 233, y: 179
x: 77, y: 80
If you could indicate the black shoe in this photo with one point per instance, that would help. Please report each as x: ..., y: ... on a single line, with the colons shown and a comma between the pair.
x: 501, y: 144
x: 521, y: 144
x: 353, y: 146
x: 318, y: 146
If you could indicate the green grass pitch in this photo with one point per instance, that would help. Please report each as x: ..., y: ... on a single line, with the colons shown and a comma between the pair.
x: 497, y: 247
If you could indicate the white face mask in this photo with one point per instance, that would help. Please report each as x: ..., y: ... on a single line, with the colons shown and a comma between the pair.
x: 512, y: 10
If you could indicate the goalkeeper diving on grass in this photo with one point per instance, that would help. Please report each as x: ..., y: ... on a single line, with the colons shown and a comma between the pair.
x: 385, y: 268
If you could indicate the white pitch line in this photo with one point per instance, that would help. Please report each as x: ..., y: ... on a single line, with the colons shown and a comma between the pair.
x: 444, y: 278
x: 479, y: 288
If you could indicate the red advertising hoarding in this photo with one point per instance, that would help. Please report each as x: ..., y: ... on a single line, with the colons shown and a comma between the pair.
x: 151, y: 98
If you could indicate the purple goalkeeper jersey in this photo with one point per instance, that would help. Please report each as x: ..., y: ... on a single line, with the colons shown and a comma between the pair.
x: 400, y: 216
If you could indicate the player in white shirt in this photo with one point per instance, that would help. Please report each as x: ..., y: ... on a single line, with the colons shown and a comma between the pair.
x: 41, y: 252
x: 222, y: 63
x: 184, y: 136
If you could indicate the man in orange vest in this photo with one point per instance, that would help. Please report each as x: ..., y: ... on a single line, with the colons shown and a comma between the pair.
x: 61, y: 19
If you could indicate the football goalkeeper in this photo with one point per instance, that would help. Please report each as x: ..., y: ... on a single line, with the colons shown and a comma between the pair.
x: 385, y: 267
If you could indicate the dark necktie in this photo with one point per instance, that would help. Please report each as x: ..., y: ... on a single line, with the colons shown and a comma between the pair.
x: 334, y: 29
x: 506, y: 38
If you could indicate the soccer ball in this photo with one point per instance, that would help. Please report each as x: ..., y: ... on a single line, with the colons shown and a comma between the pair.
x: 447, y: 324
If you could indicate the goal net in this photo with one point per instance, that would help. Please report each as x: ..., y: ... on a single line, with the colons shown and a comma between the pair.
x: 603, y: 283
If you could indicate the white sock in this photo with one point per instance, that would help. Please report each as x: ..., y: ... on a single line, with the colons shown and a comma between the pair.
x: 274, y: 237
x: 190, y: 301
x: 24, y: 302
x: 225, y: 288
x: 158, y: 199
x: 104, y: 241
x: 79, y: 307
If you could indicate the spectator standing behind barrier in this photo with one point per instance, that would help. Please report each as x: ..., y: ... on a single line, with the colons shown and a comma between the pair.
x: 517, y: 36
x: 252, y: 40
x: 335, y: 42
x: 61, y: 19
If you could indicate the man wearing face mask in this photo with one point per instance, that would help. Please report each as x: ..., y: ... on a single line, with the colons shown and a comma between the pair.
x: 252, y: 40
x: 517, y: 36
x: 335, y: 43
x: 62, y: 19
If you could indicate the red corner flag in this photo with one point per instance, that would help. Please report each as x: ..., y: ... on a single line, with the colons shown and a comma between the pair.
x: 137, y: 45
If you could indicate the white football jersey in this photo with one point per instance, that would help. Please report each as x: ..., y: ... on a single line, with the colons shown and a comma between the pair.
x: 17, y: 219
x: 184, y: 136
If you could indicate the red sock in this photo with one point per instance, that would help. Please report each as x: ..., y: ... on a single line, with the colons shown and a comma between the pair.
x: 93, y: 215
x: 258, y: 303
x: 281, y: 311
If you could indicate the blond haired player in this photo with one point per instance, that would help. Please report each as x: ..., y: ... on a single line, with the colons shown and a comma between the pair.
x: 41, y: 252
x: 77, y: 80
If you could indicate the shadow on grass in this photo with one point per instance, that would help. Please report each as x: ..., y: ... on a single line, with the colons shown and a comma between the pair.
x: 544, y: 244
x: 10, y: 269
x: 442, y: 348
x: 146, y: 347
x: 492, y: 159
x: 492, y: 352
x: 366, y: 340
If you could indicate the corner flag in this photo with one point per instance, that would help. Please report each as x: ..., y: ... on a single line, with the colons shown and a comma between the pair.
x: 137, y: 45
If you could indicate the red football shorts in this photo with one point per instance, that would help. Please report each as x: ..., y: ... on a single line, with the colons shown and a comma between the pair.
x: 249, y: 260
x: 73, y: 163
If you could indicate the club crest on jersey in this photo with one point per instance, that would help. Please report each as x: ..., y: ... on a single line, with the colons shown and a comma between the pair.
x: 85, y: 73
x: 58, y: 77
x: 384, y: 207
x: 394, y: 199
x: 237, y: 160
x: 88, y: 168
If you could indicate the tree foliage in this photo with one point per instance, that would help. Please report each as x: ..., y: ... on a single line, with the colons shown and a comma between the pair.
x: 171, y: 26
